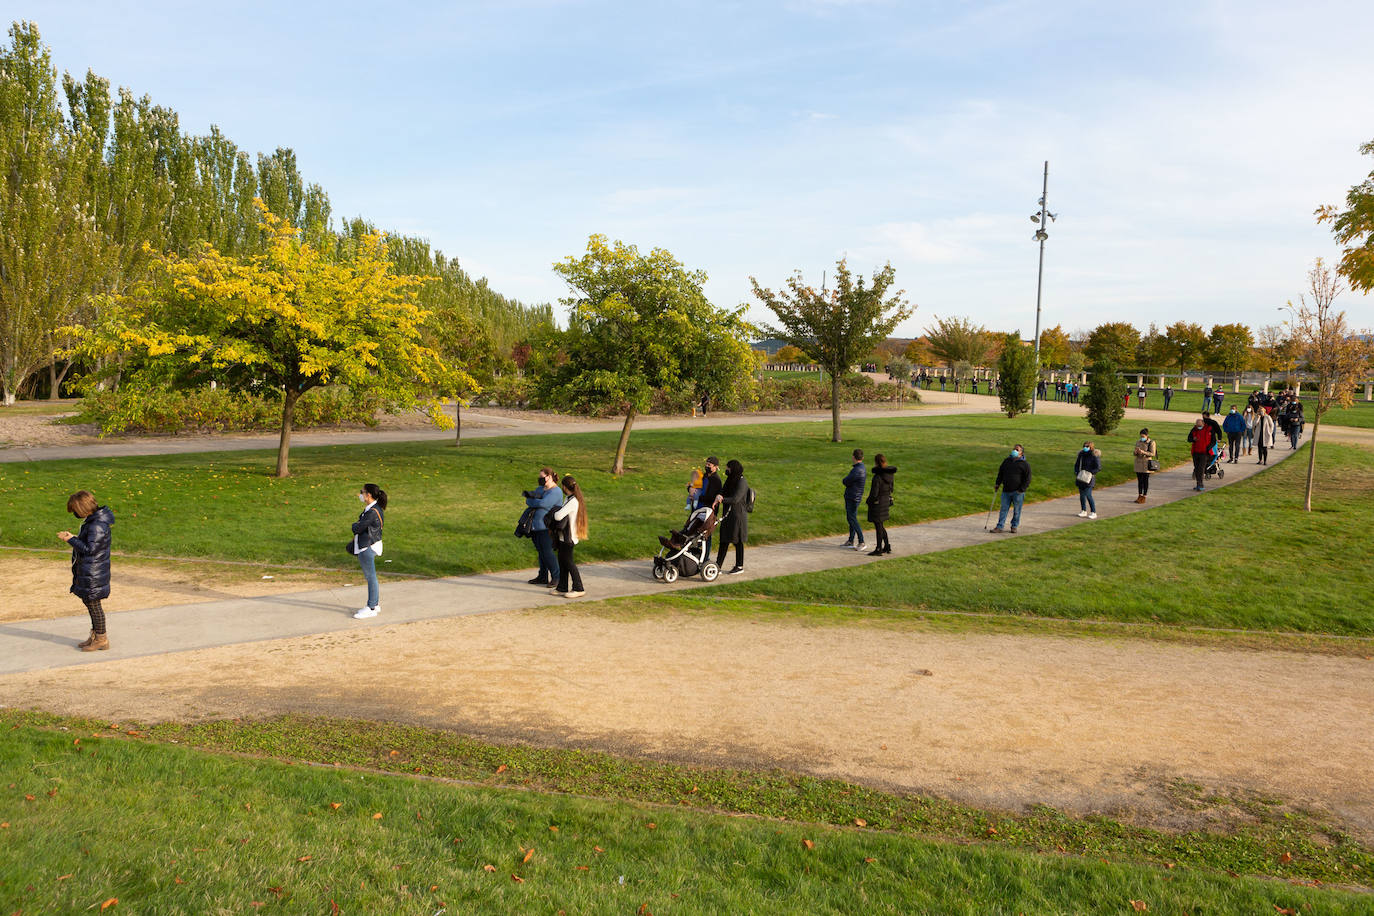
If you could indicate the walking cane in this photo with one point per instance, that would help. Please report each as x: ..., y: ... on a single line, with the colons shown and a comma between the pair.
x: 988, y: 521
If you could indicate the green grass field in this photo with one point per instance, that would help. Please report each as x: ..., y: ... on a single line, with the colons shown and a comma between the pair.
x: 1244, y: 556
x: 453, y: 509
x: 160, y: 828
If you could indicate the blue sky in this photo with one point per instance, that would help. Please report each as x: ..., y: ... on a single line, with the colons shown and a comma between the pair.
x: 1188, y: 142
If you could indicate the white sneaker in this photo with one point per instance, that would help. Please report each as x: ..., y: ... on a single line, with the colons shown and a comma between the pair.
x: 363, y: 613
x: 573, y: 594
x: 1092, y: 515
x: 1083, y: 514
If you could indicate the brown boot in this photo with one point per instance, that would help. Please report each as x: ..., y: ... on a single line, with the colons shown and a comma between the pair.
x: 87, y: 641
x: 98, y: 641
x: 1140, y: 498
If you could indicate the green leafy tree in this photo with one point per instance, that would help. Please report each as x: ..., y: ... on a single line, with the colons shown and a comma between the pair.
x: 1153, y: 352
x: 790, y: 354
x: 1018, y: 376
x: 1335, y: 355
x: 959, y: 340
x: 1104, y: 397
x: 1187, y: 343
x: 1054, y: 347
x: 1114, y: 342
x: 287, y: 319
x: 1228, y: 348
x: 839, y: 327
x: 918, y: 352
x: 640, y: 322
x: 899, y: 367
x: 1353, y: 228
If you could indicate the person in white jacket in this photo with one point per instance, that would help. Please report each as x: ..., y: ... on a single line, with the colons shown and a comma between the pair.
x: 570, y: 526
x: 1265, y: 431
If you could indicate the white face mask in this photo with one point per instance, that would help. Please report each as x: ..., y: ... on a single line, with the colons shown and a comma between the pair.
x: 362, y: 498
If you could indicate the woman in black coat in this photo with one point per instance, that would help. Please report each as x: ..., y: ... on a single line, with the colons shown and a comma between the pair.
x: 734, y: 526
x: 90, y: 563
x: 879, y: 502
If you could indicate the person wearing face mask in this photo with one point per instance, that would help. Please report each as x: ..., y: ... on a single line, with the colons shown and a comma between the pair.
x: 1201, y: 440
x: 710, y: 492
x: 1145, y: 452
x: 1234, y: 427
x: 542, y: 498
x: 1085, y: 468
x: 1013, y: 477
x: 367, y: 545
x: 1266, y: 431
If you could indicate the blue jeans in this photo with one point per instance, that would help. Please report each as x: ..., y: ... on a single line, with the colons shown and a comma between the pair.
x: 851, y: 514
x: 368, y: 561
x: 1085, y: 498
x: 1009, y: 500
x: 548, y: 563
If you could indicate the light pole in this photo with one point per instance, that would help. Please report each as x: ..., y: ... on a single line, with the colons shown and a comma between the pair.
x: 1041, y: 219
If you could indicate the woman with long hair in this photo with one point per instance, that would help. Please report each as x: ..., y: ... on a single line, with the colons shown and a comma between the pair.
x: 570, y: 526
x: 880, y: 502
x: 367, y: 545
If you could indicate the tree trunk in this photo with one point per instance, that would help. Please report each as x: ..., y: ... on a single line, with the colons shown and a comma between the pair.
x: 288, y: 415
x: 1311, y: 462
x: 56, y: 378
x: 618, y: 467
x: 835, y: 407
x: 457, y: 421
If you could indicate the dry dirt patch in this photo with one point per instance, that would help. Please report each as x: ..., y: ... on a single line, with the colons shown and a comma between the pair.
x: 999, y: 720
x: 35, y: 586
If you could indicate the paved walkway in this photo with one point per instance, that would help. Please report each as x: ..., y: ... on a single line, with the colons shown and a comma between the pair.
x: 48, y: 644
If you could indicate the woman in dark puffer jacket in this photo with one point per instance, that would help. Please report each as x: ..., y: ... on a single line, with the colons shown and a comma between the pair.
x: 90, y: 563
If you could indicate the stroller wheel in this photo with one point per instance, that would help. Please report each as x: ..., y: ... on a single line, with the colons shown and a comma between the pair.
x: 659, y: 570
x: 1221, y: 472
x: 670, y: 574
x: 710, y: 571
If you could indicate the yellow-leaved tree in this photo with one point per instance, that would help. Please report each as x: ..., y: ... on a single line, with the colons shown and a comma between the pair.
x: 289, y: 319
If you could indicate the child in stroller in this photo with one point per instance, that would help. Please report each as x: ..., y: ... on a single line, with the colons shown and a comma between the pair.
x: 683, y: 551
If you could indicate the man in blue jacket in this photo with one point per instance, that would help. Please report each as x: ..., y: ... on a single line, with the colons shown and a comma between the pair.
x: 548, y: 495
x: 853, y: 495
x: 1234, y: 427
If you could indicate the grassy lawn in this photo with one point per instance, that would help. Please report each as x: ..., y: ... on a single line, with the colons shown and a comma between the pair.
x: 168, y: 828
x: 453, y: 509
x: 1245, y: 556
x: 1189, y: 403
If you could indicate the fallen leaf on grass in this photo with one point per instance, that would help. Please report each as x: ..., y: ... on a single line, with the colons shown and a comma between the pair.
x: 651, y: 825
x: 336, y: 805
x: 304, y: 858
x: 488, y: 868
x: 275, y: 891
x: 553, y: 829
x: 643, y: 910
x: 433, y: 887
x: 395, y: 753
x: 256, y: 903
x: 1286, y: 858
x: 809, y: 844
x: 5, y: 825
x: 860, y: 822
x: 529, y: 854
x: 333, y: 908
x: 1140, y: 906
x: 64, y: 877
x: 501, y: 768
x: 870, y: 861
x: 598, y: 849
x: 247, y: 806
x: 28, y: 798
x: 517, y: 879
x: 178, y: 880
x: 108, y: 903
x: 582, y: 868
x: 377, y: 816
x: 1285, y: 911
x: 992, y: 831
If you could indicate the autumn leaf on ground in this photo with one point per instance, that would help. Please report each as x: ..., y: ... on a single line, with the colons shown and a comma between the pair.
x: 870, y: 860
x: 1285, y: 911
x: 377, y: 816
x: 336, y: 805
x: 333, y: 908
x: 809, y: 844
x: 643, y: 910
x: 108, y: 903
x: 582, y: 868
x: 1140, y: 906
x: 5, y: 825
x: 501, y: 768
x: 860, y: 822
x: 488, y: 868
x: 395, y: 753
x: 1286, y: 857
x: 303, y: 858
x: 28, y: 798
x: 598, y: 849
x: 517, y: 879
x: 651, y: 825
x: 275, y: 891
x: 529, y: 854
x: 177, y: 880
x: 553, y: 829
x: 65, y: 877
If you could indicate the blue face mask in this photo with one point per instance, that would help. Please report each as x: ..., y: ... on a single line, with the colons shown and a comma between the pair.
x: 1015, y: 453
x: 1085, y: 448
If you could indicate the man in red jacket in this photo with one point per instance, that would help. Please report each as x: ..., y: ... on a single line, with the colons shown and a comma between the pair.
x: 1201, y: 438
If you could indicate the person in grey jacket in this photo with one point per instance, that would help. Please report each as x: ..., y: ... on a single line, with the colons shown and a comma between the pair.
x: 548, y: 495
x: 853, y: 495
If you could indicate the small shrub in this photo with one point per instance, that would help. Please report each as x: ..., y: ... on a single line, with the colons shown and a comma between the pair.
x: 201, y: 410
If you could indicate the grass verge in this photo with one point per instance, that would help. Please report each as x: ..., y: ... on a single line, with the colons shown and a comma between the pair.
x: 93, y: 816
x: 453, y: 509
x: 1245, y: 556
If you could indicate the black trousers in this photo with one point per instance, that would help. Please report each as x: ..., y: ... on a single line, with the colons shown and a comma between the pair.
x: 1200, y: 462
x: 739, y: 554
x: 880, y: 536
x: 567, y: 569
x: 1233, y: 446
x: 1142, y: 482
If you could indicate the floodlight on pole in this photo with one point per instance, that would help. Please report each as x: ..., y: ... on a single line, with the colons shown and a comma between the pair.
x: 1041, y: 219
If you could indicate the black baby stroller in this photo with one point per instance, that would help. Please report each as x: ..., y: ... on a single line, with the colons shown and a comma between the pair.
x: 683, y: 552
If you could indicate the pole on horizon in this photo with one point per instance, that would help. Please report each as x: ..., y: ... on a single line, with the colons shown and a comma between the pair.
x: 1041, y: 219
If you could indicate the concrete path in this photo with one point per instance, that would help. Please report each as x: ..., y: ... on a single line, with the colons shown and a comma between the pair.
x: 48, y: 644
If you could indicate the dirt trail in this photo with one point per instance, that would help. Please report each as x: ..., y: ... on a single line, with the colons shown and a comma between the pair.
x: 1086, y: 725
